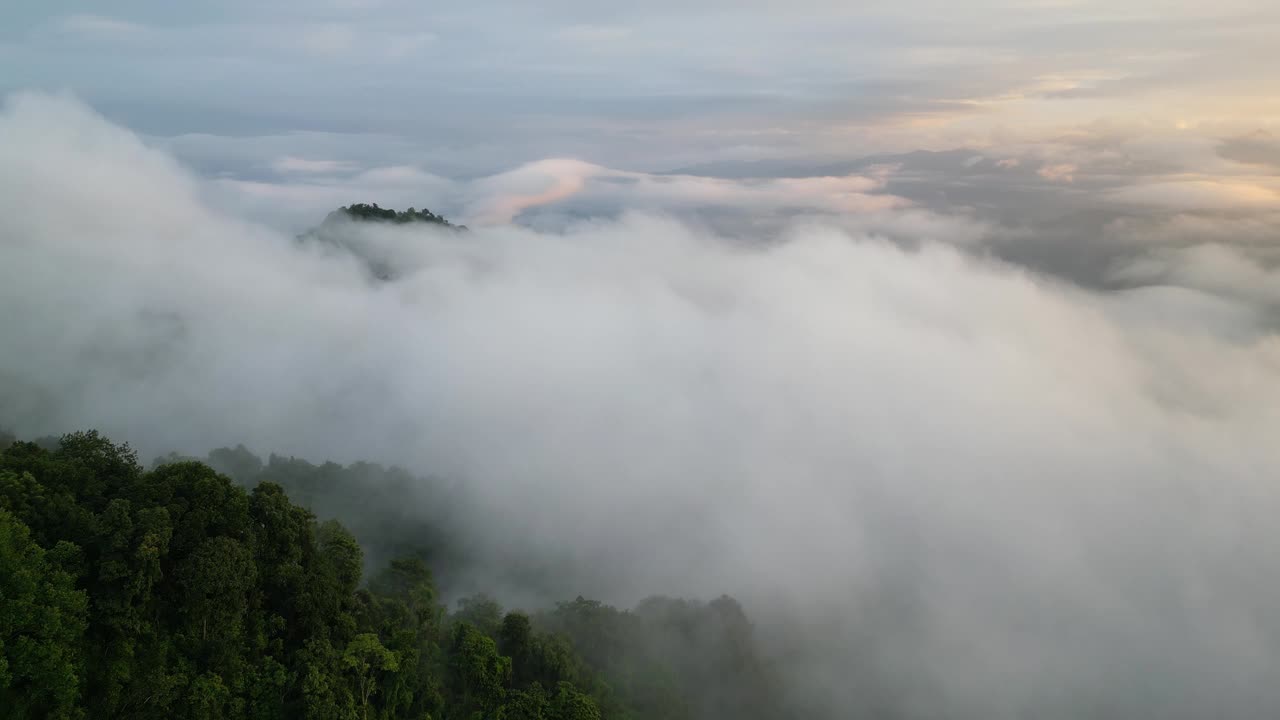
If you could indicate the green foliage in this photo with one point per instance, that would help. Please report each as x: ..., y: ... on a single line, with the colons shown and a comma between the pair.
x: 571, y: 704
x: 181, y: 593
x: 367, y: 660
x: 478, y: 671
x: 361, y: 211
x: 528, y: 704
x: 42, y: 621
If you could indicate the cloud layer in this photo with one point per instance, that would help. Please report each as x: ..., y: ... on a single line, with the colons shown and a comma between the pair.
x: 963, y: 488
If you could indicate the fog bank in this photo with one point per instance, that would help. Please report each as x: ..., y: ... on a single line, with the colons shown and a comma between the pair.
x: 964, y: 489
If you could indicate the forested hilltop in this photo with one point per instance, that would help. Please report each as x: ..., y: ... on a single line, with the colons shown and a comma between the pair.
x: 178, y: 592
x: 371, y: 212
x: 361, y: 230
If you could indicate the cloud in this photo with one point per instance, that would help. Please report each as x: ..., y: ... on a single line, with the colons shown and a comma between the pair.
x: 334, y: 40
x: 290, y: 165
x: 993, y: 494
x: 596, y: 37
x: 1221, y: 270
x: 546, y: 181
x: 98, y: 25
x: 323, y: 39
x: 1199, y: 194
x: 1257, y: 148
x: 403, y: 46
x: 564, y: 186
x: 1061, y: 172
x: 551, y: 182
x: 1249, y: 230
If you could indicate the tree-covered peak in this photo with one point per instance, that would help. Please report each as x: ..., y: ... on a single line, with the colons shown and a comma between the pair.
x: 344, y: 231
x: 366, y: 212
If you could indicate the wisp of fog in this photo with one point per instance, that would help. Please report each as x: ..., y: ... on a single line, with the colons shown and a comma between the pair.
x: 956, y: 487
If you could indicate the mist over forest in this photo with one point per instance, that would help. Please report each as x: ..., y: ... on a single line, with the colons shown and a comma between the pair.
x: 693, y: 361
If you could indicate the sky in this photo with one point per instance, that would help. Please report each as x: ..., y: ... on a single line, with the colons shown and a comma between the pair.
x: 267, y: 89
x: 945, y: 338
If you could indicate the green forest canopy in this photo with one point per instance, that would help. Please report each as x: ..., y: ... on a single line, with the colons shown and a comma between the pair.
x: 178, y: 592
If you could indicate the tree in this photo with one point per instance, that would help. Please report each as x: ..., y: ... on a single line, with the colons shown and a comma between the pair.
x: 531, y: 703
x: 341, y: 556
x: 217, y: 578
x: 405, y: 597
x: 42, y: 623
x: 208, y: 698
x: 572, y: 704
x: 480, y: 674
x: 515, y: 640
x: 365, y: 658
x: 95, y: 468
x: 400, y: 605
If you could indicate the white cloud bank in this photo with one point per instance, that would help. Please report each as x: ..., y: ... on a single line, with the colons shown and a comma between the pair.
x: 990, y: 494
